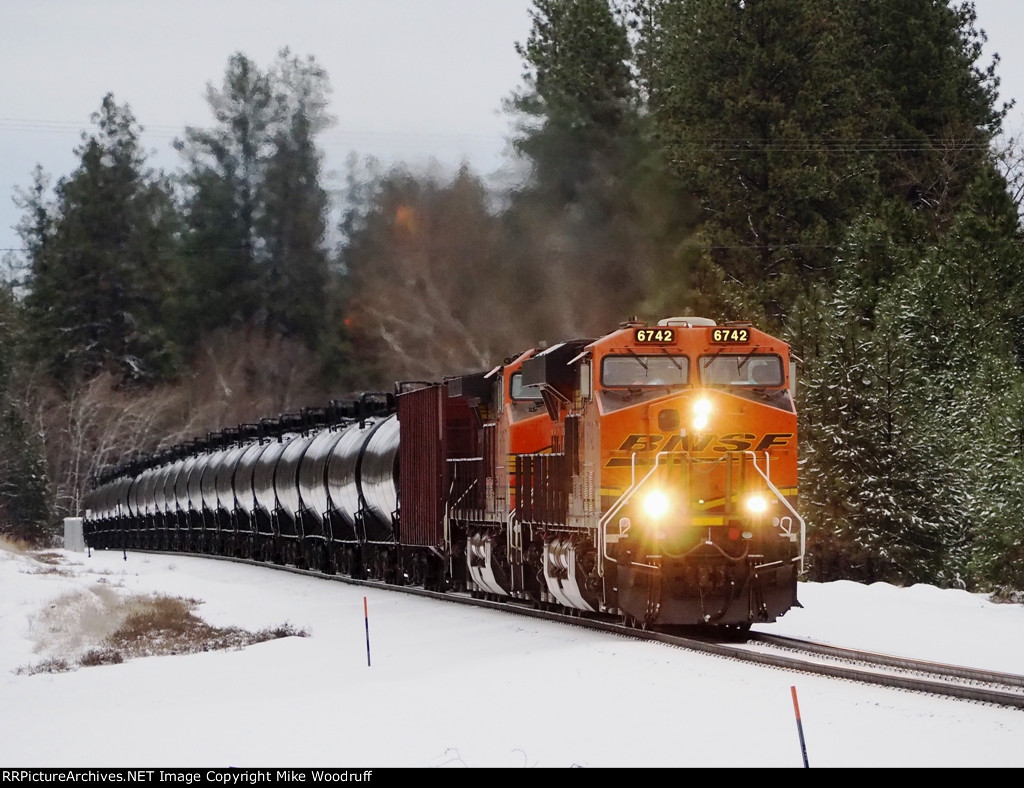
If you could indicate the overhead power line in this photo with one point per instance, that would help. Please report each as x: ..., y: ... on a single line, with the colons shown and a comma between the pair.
x: 349, y: 137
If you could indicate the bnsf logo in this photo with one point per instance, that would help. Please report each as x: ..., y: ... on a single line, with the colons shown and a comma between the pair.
x: 735, y: 441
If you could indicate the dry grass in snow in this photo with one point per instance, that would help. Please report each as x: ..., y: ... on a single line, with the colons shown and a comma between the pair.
x: 101, y: 626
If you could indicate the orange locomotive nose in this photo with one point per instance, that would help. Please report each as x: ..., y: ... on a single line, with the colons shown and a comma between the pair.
x: 704, y: 412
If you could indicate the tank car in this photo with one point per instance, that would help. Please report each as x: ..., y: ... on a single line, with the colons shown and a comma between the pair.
x: 648, y: 474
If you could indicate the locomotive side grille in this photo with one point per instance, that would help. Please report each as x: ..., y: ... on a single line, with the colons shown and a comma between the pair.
x: 571, y: 446
x: 543, y: 483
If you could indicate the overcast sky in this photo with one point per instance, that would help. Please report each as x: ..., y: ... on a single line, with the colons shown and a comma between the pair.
x: 412, y: 79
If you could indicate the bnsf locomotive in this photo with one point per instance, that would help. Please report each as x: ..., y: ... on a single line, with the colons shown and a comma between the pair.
x: 649, y: 474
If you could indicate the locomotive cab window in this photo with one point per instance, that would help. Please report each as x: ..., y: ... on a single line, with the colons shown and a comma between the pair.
x: 741, y: 370
x: 520, y: 392
x: 632, y: 370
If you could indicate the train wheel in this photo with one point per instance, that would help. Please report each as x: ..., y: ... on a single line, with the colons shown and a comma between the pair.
x: 342, y: 560
x: 632, y: 622
x: 733, y: 632
x: 330, y: 566
x: 315, y: 556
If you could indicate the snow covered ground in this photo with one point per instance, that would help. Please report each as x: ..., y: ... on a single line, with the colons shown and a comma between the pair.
x: 450, y: 687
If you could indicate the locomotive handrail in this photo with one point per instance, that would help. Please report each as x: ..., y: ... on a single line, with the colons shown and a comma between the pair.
x: 636, y: 485
x: 450, y: 505
x: 622, y: 501
x: 469, y: 488
x: 785, y: 502
x: 455, y: 461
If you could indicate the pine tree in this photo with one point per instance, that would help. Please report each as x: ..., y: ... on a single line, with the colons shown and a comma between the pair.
x: 968, y: 338
x: 225, y: 166
x: 294, y: 220
x: 761, y: 116
x: 597, y: 219
x: 579, y: 103
x: 102, y: 260
x: 24, y: 488
x: 881, y: 475
x: 256, y: 210
x: 937, y: 115
x: 792, y: 119
x: 996, y: 557
x: 24, y: 493
x: 911, y: 406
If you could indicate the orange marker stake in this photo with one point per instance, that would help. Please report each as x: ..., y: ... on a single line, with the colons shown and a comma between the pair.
x: 799, y: 725
x: 366, y: 618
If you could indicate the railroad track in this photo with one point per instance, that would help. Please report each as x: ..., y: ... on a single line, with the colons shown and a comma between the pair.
x: 932, y: 678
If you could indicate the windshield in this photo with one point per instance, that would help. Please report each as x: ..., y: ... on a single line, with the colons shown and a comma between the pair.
x: 519, y: 392
x: 651, y: 370
x: 741, y: 370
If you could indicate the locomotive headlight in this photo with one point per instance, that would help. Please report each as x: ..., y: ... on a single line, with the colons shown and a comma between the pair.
x: 655, y: 504
x: 701, y: 413
x: 756, y: 504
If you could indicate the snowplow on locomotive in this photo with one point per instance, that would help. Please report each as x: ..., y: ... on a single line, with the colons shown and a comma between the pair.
x: 649, y: 474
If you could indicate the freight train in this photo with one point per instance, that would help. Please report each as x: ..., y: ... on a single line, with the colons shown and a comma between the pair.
x: 649, y: 474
